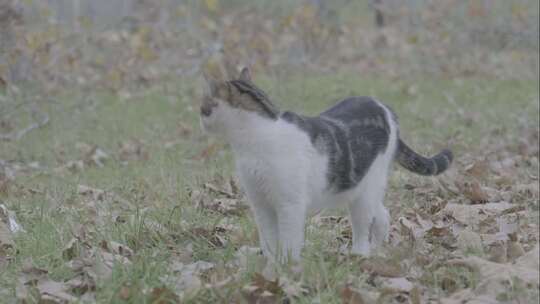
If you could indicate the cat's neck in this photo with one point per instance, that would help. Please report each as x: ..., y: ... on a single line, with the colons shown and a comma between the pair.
x: 252, y: 133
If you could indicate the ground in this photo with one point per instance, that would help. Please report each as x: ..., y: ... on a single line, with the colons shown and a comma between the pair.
x: 138, y: 180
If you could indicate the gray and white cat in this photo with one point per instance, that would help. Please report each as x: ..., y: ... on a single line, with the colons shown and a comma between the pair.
x: 292, y: 165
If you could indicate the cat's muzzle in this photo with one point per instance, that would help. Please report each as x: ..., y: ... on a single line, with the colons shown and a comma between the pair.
x: 207, y: 106
x: 206, y: 109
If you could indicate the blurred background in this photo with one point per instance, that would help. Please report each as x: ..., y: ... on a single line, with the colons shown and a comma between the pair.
x: 126, y: 45
x: 64, y: 63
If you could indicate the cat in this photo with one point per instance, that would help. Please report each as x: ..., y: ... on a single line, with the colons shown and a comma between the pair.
x: 291, y: 165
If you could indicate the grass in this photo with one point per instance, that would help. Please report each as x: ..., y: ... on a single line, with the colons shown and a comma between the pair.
x: 159, y: 221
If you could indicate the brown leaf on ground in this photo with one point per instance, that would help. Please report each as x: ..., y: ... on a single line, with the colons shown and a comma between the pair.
x: 4, y: 183
x: 31, y: 275
x: 81, y: 284
x: 219, y: 190
x: 116, y: 248
x: 468, y: 240
x: 214, y: 237
x: 479, y: 169
x: 227, y: 206
x: 261, y: 290
x: 163, y: 295
x: 132, y: 150
x: 125, y: 292
x: 183, y: 129
x: 9, y: 218
x: 498, y: 252
x: 54, y: 292
x: 70, y: 250
x: 208, y: 152
x: 381, y: 267
x: 351, y: 295
x: 71, y: 166
x: 473, y: 214
x: 400, y: 284
x: 94, y: 193
x: 493, y: 277
x: 6, y: 239
x: 93, y: 155
x: 292, y: 288
x: 515, y: 250
x: 245, y: 254
x: 185, y: 277
x: 474, y: 192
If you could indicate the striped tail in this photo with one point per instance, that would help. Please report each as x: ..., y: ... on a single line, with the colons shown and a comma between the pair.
x: 416, y: 163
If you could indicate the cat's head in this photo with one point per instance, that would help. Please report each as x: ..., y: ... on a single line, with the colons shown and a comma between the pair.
x: 226, y: 103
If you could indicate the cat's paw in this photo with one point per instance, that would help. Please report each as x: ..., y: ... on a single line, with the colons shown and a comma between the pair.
x: 362, y: 249
x: 270, y: 271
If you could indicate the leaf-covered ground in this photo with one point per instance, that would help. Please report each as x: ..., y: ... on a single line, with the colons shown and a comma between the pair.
x: 110, y: 193
x: 129, y: 201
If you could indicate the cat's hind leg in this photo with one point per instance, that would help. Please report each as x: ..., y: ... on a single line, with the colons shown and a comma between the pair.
x: 360, y: 216
x: 369, y: 219
x: 380, y: 225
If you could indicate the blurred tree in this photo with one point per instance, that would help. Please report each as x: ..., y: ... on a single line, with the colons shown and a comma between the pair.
x: 379, y: 17
x: 10, y: 17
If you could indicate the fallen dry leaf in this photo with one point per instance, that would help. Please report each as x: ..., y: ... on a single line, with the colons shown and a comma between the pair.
x: 54, y: 292
x: 9, y: 218
x: 262, y: 290
x: 351, y: 295
x: 70, y: 251
x: 400, y: 284
x: 31, y: 274
x: 292, y: 288
x: 498, y: 252
x: 515, y: 250
x: 381, y: 267
x: 479, y: 169
x: 94, y: 193
x: 227, y: 206
x: 6, y: 239
x: 495, y: 276
x: 92, y: 154
x: 474, y: 192
x: 124, y: 293
x: 468, y: 240
x: 473, y: 214
x: 218, y: 190
x: 208, y: 152
x: 117, y: 248
x: 132, y: 150
x: 245, y: 254
x: 81, y: 284
x: 163, y: 295
x: 185, y: 278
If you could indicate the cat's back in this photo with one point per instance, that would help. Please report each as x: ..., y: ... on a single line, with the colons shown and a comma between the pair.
x: 351, y: 134
x: 362, y: 110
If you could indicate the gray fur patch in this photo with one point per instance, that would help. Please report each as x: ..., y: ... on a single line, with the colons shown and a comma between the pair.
x: 351, y: 134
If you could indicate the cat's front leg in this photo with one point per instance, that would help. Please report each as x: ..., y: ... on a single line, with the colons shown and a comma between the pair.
x: 291, y: 220
x: 267, y: 227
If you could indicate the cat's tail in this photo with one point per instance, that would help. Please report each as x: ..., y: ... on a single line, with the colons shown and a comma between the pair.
x: 417, y: 163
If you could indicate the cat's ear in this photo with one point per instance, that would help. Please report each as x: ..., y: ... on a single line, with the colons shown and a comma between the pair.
x: 245, y: 74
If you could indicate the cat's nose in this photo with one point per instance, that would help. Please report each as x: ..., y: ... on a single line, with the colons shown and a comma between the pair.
x: 206, y: 109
